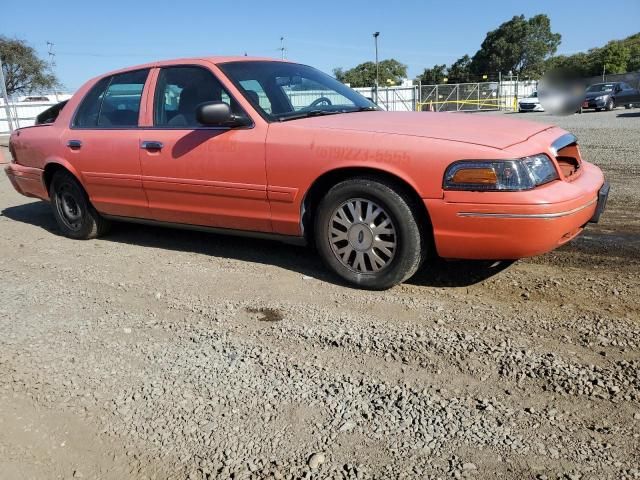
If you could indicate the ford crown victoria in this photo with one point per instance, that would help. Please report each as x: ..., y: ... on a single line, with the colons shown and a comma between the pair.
x: 278, y: 149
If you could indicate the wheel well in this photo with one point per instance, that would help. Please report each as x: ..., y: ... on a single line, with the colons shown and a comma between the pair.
x: 49, y: 172
x: 324, y: 183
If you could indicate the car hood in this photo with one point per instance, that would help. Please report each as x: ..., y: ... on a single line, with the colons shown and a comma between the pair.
x: 530, y: 100
x: 590, y: 95
x: 487, y: 130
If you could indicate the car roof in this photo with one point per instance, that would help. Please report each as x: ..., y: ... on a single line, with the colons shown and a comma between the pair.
x: 181, y: 61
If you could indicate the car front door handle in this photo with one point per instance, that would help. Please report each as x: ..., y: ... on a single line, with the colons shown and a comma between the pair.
x: 74, y: 144
x: 151, y: 145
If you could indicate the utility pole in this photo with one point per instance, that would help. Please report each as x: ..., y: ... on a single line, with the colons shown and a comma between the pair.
x: 282, y: 47
x: 375, y: 40
x: 3, y: 86
x: 52, y: 64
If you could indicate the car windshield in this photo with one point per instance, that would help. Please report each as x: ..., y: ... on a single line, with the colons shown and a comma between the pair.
x: 282, y: 91
x: 601, y: 87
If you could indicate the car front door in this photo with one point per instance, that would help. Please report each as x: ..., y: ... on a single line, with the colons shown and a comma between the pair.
x: 102, y: 144
x: 199, y: 175
x: 632, y: 95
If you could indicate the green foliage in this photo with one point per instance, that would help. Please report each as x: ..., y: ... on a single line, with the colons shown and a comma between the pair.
x: 24, y: 72
x: 614, y: 56
x: 364, y: 75
x: 460, y: 70
x: 519, y: 46
x: 617, y: 56
x: 435, y: 74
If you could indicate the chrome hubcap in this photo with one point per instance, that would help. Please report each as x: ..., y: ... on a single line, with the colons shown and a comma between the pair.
x: 362, y: 236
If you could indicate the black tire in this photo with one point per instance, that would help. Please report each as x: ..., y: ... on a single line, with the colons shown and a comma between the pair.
x: 395, y: 205
x: 610, y: 105
x: 72, y: 210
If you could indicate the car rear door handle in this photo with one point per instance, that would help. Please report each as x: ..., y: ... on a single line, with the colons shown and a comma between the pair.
x: 151, y: 145
x: 74, y: 144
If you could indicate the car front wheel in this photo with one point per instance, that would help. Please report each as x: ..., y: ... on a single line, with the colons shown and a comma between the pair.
x: 610, y: 105
x: 367, y: 231
x: 72, y: 210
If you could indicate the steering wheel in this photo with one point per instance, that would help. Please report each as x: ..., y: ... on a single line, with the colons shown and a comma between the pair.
x: 320, y: 100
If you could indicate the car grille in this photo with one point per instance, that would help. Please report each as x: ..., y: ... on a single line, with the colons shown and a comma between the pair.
x: 527, y: 106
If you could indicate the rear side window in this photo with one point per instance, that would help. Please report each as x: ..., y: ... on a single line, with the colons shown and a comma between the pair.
x: 180, y: 90
x: 113, y: 102
x: 87, y: 114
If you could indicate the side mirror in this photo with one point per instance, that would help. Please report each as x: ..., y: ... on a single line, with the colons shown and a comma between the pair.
x: 218, y: 114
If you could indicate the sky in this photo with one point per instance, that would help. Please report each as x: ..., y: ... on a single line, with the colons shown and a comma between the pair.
x: 91, y: 38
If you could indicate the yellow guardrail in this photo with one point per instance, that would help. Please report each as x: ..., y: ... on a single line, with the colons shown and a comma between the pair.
x: 486, y: 102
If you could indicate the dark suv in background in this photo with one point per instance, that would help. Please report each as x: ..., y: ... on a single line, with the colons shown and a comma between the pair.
x: 609, y: 95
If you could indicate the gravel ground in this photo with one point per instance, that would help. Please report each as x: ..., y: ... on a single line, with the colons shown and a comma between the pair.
x: 156, y: 353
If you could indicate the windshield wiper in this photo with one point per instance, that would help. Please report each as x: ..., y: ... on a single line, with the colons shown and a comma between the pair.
x: 308, y: 113
x: 363, y: 109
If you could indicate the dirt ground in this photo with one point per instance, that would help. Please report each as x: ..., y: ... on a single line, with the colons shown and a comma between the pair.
x: 156, y: 353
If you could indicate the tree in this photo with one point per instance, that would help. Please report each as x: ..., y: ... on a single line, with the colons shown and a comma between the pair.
x: 617, y: 56
x: 519, y: 46
x: 364, y: 75
x: 572, y: 66
x: 613, y: 57
x: 24, y: 72
x: 460, y: 70
x: 433, y: 75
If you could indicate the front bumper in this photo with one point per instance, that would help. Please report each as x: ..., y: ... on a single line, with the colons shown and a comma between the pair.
x: 530, y: 107
x: 513, y: 228
x: 594, y: 103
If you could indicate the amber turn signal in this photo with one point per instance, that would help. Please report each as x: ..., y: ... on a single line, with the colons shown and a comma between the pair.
x: 481, y: 176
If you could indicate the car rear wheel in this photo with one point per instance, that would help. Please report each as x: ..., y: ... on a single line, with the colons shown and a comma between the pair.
x: 72, y: 210
x: 367, y: 231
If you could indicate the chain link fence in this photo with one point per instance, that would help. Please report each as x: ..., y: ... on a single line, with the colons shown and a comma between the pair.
x: 471, y: 97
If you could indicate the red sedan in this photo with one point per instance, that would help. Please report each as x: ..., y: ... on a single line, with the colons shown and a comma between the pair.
x: 279, y: 149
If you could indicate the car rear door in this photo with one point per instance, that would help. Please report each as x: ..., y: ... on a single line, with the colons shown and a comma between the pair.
x: 199, y: 175
x: 102, y: 143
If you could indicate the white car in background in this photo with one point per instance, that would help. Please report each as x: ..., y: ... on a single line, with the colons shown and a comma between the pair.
x: 530, y: 104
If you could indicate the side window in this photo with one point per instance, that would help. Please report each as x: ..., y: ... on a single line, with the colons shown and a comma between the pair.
x: 87, y: 114
x: 256, y: 94
x: 180, y: 90
x: 112, y: 102
x: 121, y: 103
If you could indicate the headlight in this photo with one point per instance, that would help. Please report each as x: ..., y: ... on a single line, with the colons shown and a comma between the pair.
x: 601, y: 97
x: 500, y: 175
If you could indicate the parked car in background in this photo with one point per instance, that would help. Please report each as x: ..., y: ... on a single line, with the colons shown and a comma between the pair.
x: 610, y: 95
x: 281, y: 150
x: 530, y: 104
